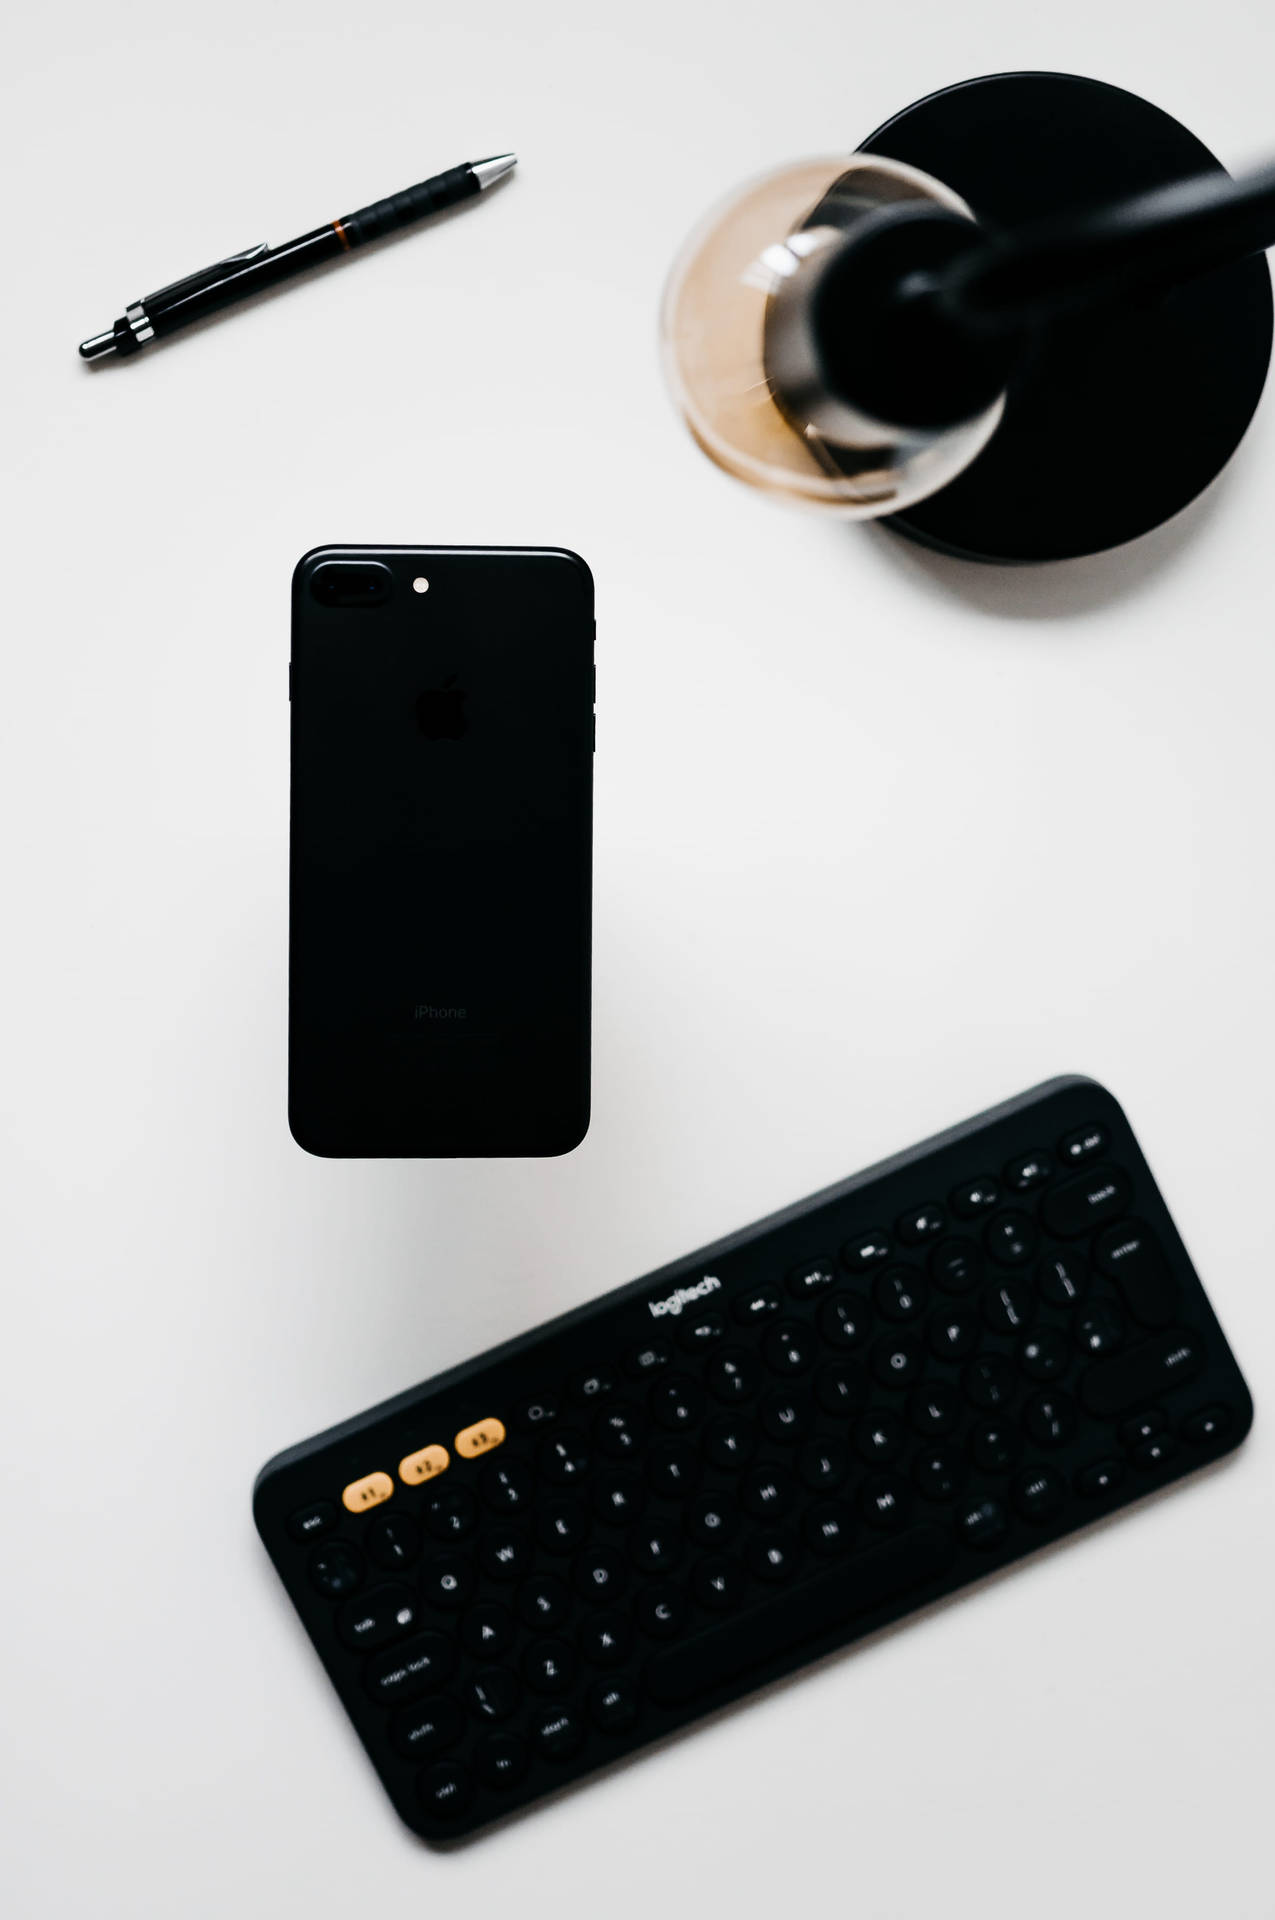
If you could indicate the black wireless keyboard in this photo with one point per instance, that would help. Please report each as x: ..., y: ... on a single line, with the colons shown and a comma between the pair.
x: 590, y: 1536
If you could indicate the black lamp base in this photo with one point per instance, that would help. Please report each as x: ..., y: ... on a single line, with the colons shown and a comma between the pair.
x: 1116, y: 420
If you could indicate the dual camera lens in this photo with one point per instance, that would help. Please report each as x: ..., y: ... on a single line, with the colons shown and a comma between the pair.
x: 357, y: 583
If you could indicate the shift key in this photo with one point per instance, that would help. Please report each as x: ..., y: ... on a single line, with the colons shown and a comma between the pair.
x: 1144, y: 1373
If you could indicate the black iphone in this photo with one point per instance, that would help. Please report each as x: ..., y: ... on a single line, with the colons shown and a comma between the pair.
x: 442, y: 820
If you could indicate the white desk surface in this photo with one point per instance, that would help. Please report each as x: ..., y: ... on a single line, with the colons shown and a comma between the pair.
x: 880, y: 840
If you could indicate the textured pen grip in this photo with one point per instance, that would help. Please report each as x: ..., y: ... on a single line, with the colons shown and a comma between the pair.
x: 400, y: 209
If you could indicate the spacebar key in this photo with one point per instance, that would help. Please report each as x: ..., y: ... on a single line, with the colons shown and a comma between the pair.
x: 797, y: 1614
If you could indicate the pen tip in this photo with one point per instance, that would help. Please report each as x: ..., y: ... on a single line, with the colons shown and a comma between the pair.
x: 487, y: 172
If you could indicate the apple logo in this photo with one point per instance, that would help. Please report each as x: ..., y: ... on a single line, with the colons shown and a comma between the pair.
x: 440, y: 711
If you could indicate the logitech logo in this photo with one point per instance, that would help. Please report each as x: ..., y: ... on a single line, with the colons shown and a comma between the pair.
x: 684, y: 1297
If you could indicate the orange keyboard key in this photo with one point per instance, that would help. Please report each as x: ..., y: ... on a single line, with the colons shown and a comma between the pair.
x: 367, y: 1492
x: 480, y: 1438
x: 425, y: 1464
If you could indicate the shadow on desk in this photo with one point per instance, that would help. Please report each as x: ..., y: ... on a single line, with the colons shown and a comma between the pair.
x: 1055, y: 589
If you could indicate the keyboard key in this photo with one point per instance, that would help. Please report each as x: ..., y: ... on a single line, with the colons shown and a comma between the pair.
x: 613, y: 1706
x: 788, y: 1348
x: 655, y: 1549
x: 1086, y: 1201
x: 371, y: 1619
x: 488, y: 1630
x: 563, y: 1524
x: 1086, y: 1143
x: 557, y: 1732
x: 828, y: 1528
x: 823, y: 1464
x: 1040, y: 1494
x: 619, y: 1432
x: 697, y: 1336
x: 427, y: 1727
x: 956, y: 1265
x: 673, y: 1469
x: 593, y: 1385
x: 939, y: 1472
x: 767, y: 1492
x: 369, y: 1491
x: 884, y: 1500
x: 500, y: 1761
x: 446, y: 1791
x: 393, y: 1541
x: 1062, y: 1278
x: 606, y: 1640
x: 506, y: 1486
x: 1100, y: 1329
x: 989, y: 1382
x: 733, y: 1375
x: 730, y: 1442
x: 1144, y: 1373
x: 549, y: 1666
x: 677, y: 1403
x: 503, y: 1554
x: 772, y: 1556
x: 760, y: 1303
x: 841, y: 1386
x: 600, y: 1576
x: 447, y: 1581
x: 711, y: 1521
x: 982, y: 1523
x: 544, y: 1602
x: 896, y: 1361
x: 660, y: 1612
x: 618, y: 1498
x: 1009, y: 1305
x: 493, y: 1693
x: 535, y: 1413
x: 976, y: 1197
x: 866, y: 1250
x: 564, y: 1457
x: 1103, y: 1477
x: 1012, y: 1238
x: 1140, y: 1426
x: 1207, y: 1424
x: 473, y: 1441
x: 1050, y: 1418
x: 336, y: 1569
x: 642, y: 1363
x: 1044, y: 1355
x: 785, y: 1417
x: 812, y: 1279
x: 1155, y: 1452
x: 312, y: 1522
x: 880, y: 1437
x: 1028, y: 1170
x: 417, y: 1667
x: 934, y: 1409
x: 953, y: 1336
x: 452, y: 1514
x: 843, y: 1319
x: 920, y: 1224
x: 719, y: 1584
x: 898, y: 1294
x: 1130, y: 1255
x: 994, y: 1445
x: 814, y: 1606
x: 414, y: 1469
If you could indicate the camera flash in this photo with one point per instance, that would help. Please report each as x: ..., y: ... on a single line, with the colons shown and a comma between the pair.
x: 420, y: 584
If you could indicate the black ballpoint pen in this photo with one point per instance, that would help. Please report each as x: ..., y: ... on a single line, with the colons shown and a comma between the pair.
x: 246, y: 273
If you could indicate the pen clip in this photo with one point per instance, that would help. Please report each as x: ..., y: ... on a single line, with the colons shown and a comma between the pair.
x: 206, y: 275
